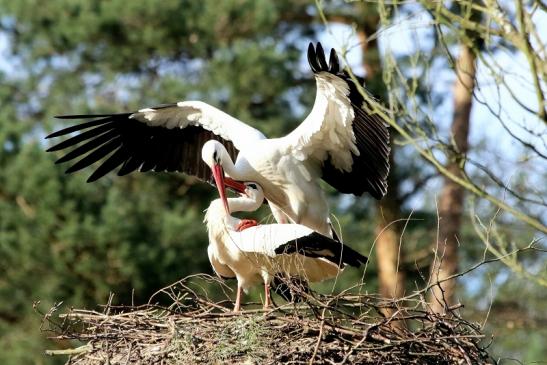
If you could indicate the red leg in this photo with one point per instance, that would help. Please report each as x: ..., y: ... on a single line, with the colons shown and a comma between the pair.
x: 266, y: 295
x: 237, y: 306
x: 246, y: 223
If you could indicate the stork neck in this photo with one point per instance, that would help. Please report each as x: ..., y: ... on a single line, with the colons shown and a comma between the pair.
x: 229, y: 166
x: 216, y: 212
x: 243, y: 204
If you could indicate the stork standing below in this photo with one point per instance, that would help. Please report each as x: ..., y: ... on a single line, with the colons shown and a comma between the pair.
x: 338, y: 142
x: 255, y: 254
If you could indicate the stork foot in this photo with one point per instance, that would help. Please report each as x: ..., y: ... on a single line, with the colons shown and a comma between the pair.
x: 246, y: 223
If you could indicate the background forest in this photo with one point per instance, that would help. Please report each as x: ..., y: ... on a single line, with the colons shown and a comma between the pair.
x: 461, y: 83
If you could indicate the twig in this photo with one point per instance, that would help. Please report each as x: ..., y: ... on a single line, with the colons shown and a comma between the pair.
x: 324, y: 329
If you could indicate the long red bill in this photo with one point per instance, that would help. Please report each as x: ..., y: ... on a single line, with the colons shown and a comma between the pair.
x: 218, y: 174
x: 236, y: 185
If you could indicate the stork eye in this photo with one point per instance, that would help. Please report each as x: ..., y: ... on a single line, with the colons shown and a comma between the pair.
x: 253, y: 186
x: 215, y: 156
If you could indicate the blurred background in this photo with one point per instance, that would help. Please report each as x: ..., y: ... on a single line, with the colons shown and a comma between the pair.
x: 463, y: 84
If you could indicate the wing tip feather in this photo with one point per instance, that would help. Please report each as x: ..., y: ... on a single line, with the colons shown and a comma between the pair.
x: 320, y: 55
x: 318, y: 62
x: 334, y: 64
x: 312, y: 58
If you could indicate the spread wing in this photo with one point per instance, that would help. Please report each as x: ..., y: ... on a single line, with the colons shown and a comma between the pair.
x: 163, y: 138
x: 350, y: 145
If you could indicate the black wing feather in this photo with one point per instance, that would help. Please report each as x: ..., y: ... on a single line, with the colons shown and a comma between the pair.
x: 88, y: 146
x: 95, y: 156
x: 370, y: 169
x: 318, y: 246
x: 320, y: 54
x: 81, y: 137
x: 137, y: 146
x: 90, y: 116
x: 115, y: 160
x: 78, y: 127
x: 130, y: 165
x: 312, y: 59
x: 334, y: 65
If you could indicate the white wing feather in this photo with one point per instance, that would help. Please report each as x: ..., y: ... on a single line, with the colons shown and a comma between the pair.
x: 198, y: 113
x: 266, y: 238
x: 328, y: 127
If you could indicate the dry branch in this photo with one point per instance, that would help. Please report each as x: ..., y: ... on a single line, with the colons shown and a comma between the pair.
x: 193, y: 329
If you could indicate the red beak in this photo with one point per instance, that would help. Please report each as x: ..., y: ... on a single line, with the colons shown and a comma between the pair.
x: 236, y: 185
x: 218, y: 174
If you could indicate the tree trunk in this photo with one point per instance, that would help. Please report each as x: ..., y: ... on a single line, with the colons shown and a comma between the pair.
x: 451, y: 200
x: 390, y: 277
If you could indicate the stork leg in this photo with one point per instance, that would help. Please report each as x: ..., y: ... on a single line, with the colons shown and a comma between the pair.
x: 237, y: 306
x: 266, y: 295
x: 245, y: 223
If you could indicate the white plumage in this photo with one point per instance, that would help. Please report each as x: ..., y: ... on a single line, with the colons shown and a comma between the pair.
x: 338, y: 142
x: 256, y: 254
x: 198, y: 113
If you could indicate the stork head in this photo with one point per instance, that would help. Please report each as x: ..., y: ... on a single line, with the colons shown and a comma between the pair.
x: 254, y: 192
x: 214, y: 154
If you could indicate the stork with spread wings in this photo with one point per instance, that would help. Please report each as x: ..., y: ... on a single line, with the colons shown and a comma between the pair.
x: 338, y: 142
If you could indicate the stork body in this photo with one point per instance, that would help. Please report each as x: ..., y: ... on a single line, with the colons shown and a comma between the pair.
x: 289, y: 185
x: 338, y: 142
x: 258, y: 253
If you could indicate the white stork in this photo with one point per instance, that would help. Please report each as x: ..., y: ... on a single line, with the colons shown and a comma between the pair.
x: 256, y: 254
x: 338, y: 142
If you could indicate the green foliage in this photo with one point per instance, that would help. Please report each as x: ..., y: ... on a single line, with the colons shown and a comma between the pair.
x: 62, y: 239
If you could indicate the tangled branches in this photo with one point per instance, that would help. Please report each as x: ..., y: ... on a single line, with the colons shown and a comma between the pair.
x: 341, y: 329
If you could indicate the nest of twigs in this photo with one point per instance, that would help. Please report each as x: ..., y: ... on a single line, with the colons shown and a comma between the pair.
x: 334, y: 329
